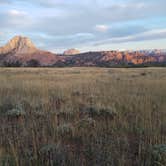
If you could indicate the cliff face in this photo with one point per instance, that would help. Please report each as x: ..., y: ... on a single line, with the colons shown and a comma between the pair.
x: 71, y: 52
x: 18, y: 45
x: 21, y: 49
x: 116, y: 58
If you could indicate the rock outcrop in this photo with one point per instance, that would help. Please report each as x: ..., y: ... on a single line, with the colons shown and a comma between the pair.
x: 21, y: 50
x: 18, y: 45
x: 71, y: 52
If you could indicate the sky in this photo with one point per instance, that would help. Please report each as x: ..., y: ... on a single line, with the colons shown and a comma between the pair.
x: 87, y: 25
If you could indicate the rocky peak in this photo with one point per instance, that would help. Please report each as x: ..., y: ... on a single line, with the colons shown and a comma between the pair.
x: 71, y: 52
x: 18, y: 45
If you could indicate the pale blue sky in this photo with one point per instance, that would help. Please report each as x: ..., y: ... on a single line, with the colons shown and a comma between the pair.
x: 57, y: 25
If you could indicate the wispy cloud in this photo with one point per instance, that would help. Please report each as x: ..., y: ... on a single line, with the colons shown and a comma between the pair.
x: 2, y: 2
x: 101, y: 28
x: 148, y: 35
x: 62, y: 23
x: 17, y: 13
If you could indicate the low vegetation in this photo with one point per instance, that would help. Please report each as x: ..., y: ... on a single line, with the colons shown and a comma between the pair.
x: 82, y: 117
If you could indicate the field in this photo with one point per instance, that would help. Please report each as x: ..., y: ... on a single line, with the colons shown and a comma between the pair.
x: 82, y: 117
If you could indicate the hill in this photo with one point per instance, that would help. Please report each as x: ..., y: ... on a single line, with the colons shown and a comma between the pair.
x: 71, y: 52
x: 20, y: 51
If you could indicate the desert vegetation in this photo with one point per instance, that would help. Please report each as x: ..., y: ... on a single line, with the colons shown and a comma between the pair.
x: 82, y: 117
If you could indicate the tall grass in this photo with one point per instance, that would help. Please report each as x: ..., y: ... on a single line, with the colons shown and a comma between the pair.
x: 82, y: 116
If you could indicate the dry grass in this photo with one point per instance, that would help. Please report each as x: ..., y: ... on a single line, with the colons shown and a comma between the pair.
x: 82, y: 116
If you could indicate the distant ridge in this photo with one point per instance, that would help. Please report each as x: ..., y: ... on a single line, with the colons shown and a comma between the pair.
x: 72, y: 51
x: 20, y: 51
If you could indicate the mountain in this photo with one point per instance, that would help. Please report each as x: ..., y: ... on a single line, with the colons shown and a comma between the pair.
x: 18, y: 45
x: 20, y: 51
x: 115, y: 59
x: 71, y: 52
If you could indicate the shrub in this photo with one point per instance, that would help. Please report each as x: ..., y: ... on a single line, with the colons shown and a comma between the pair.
x: 65, y: 130
x: 54, y: 154
x: 109, y: 113
x: 15, y: 113
x: 86, y: 123
x: 12, y: 64
x: 143, y: 74
x: 33, y: 63
x: 158, y: 156
x: 65, y: 116
x: 102, y: 112
x: 6, y: 105
x: 6, y: 160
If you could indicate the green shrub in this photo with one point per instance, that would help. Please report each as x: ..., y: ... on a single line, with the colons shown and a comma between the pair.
x: 54, y: 154
x: 106, y: 112
x: 33, y: 63
x: 17, y: 111
x: 86, y: 123
x: 7, y: 160
x: 65, y: 130
x: 101, y: 112
x: 6, y: 104
x: 158, y: 156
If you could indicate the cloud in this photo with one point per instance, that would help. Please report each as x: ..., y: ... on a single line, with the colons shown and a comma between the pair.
x: 101, y: 28
x: 125, y: 30
x: 39, y: 3
x: 16, y: 13
x: 2, y: 2
x: 148, y: 35
x: 15, y: 20
x: 62, y: 23
x: 64, y: 41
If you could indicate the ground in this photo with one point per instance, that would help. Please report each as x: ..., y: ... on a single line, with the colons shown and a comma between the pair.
x: 82, y: 116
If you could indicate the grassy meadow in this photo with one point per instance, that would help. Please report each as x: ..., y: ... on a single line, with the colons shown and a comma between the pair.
x: 82, y: 117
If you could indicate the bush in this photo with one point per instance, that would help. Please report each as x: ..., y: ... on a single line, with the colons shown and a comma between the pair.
x: 33, y: 63
x: 15, y: 112
x: 6, y: 160
x: 54, y: 154
x: 158, y: 156
x: 102, y: 112
x: 65, y: 130
x: 109, y: 113
x: 6, y: 104
x: 86, y: 123
x: 143, y: 74
x: 12, y: 64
